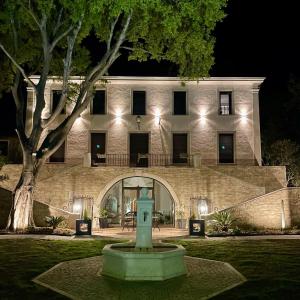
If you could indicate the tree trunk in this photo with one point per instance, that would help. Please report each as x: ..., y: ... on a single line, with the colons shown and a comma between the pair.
x: 21, y: 214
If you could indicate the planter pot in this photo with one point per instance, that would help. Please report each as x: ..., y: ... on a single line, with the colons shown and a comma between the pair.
x: 103, y: 222
x: 181, y: 223
x: 83, y: 227
x: 197, y: 227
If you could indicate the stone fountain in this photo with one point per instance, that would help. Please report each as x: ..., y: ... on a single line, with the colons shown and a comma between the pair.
x: 143, y: 260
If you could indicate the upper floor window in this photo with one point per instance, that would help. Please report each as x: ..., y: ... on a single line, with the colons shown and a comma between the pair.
x: 59, y: 155
x: 4, y: 148
x: 99, y: 103
x: 226, y: 148
x: 179, y: 103
x: 138, y: 102
x: 225, y: 100
x: 56, y: 94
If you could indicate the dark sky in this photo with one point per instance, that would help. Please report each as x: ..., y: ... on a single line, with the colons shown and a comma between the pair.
x: 257, y: 38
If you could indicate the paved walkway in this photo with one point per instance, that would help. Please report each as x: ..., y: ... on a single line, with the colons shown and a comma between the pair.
x: 180, y: 234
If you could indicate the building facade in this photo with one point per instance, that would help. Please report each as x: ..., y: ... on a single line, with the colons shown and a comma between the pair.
x: 186, y: 141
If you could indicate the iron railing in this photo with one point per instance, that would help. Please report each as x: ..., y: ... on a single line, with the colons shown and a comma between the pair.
x: 141, y: 160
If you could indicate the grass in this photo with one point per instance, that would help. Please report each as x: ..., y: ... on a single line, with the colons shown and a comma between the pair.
x: 272, y: 267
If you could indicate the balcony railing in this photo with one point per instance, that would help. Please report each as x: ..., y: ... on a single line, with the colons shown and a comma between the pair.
x: 141, y: 160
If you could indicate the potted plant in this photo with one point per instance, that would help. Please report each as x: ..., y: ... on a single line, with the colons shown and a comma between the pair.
x: 181, y: 221
x: 103, y: 218
x: 84, y: 226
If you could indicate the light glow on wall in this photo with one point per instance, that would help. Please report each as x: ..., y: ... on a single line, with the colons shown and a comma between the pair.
x: 244, y: 116
x: 203, y: 116
x: 157, y: 117
x: 118, y: 115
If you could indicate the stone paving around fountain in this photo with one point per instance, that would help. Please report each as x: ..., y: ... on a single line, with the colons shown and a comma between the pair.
x: 81, y: 279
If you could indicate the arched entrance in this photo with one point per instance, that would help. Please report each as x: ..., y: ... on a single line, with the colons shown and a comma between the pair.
x: 121, y: 197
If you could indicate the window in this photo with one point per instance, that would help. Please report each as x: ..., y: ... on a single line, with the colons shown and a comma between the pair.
x: 138, y: 102
x: 56, y: 94
x: 179, y: 105
x: 226, y: 154
x: 99, y: 103
x: 225, y: 103
x: 98, y: 148
x: 59, y: 155
x: 4, y: 148
x: 180, y: 148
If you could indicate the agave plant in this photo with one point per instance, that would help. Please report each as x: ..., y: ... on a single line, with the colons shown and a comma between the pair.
x: 53, y: 221
x: 223, y: 220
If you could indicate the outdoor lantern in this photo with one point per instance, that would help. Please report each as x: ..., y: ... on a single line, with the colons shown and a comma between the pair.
x: 202, y: 207
x: 77, y: 207
x: 138, y: 121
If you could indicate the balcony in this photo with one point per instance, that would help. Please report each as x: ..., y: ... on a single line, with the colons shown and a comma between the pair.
x: 139, y: 160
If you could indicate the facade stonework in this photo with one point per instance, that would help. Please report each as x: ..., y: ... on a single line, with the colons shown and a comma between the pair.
x: 202, y: 122
x: 223, y: 186
x: 256, y: 193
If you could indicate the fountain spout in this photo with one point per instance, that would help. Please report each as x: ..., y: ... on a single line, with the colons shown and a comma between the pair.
x: 144, y: 221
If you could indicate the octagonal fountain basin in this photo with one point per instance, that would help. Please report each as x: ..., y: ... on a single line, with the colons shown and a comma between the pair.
x: 125, y: 261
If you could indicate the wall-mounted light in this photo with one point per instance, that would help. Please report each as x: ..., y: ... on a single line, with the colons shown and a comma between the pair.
x: 202, y: 116
x: 118, y: 116
x: 138, y: 122
x: 202, y: 207
x: 243, y: 116
x: 157, y: 117
x: 77, y: 207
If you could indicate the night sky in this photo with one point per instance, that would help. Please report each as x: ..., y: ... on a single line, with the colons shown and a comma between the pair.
x: 257, y: 38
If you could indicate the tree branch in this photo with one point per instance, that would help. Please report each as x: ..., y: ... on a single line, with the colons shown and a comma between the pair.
x: 134, y: 49
x: 67, y: 71
x: 29, y: 10
x: 112, y: 29
x: 58, y: 22
x: 110, y: 53
x: 30, y: 82
x: 58, y: 38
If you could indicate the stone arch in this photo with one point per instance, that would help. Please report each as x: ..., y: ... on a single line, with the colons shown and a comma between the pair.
x: 138, y: 174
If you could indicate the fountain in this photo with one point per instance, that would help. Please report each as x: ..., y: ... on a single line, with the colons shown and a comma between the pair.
x: 143, y: 260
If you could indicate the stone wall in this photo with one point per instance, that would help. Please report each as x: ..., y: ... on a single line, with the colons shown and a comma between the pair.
x: 278, y: 209
x: 41, y: 210
x: 202, y: 122
x: 223, y: 186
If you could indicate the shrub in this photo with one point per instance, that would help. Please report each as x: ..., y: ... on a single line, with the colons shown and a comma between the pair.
x: 223, y: 220
x: 54, y: 221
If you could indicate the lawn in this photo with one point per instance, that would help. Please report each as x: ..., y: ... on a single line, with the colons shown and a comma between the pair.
x: 272, y: 267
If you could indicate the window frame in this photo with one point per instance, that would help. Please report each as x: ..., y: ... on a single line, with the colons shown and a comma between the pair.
x: 90, y: 145
x: 187, y: 144
x: 186, y: 103
x: 105, y: 103
x: 233, y: 147
x: 231, y: 107
x: 64, y: 110
x: 132, y: 92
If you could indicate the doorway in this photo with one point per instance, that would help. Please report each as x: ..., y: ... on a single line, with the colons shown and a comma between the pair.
x: 139, y: 149
x: 121, y: 199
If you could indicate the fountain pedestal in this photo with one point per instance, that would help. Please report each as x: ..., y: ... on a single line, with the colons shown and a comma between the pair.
x: 143, y: 260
